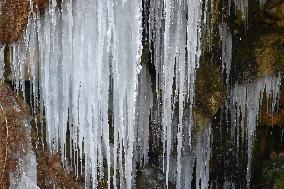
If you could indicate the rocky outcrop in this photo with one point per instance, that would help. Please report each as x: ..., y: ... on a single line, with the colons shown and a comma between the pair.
x: 13, y: 136
x: 52, y: 173
x: 15, y: 140
x: 275, y: 13
x: 14, y: 18
x: 151, y: 177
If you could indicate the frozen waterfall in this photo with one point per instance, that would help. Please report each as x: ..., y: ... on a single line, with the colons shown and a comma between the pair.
x: 83, y: 59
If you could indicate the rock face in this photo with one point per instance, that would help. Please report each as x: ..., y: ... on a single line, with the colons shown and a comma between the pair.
x: 273, y: 172
x: 151, y: 178
x: 266, y: 54
x: 275, y: 13
x: 210, y: 93
x: 15, y: 142
x: 273, y: 118
x: 51, y: 173
x: 14, y: 18
x: 13, y: 135
x: 40, y: 4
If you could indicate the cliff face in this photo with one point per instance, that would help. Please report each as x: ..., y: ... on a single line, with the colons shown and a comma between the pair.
x: 14, y: 18
x: 13, y: 135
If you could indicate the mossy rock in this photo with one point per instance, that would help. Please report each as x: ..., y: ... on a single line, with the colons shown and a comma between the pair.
x: 273, y: 173
x: 210, y: 92
x: 267, y: 53
x: 275, y: 13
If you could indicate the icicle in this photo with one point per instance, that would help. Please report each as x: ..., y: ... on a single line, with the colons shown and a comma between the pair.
x: 88, y: 64
x: 197, y: 155
x: 242, y: 6
x: 18, y: 60
x: 226, y: 38
x: 2, y: 63
x: 203, y: 154
x: 262, y: 3
x: 1, y: 5
x: 144, y: 104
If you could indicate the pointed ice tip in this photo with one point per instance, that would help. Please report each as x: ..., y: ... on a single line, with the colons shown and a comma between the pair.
x: 138, y: 69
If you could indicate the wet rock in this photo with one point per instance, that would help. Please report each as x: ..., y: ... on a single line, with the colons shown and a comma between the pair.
x: 14, y: 18
x: 13, y: 136
x: 15, y: 142
x: 52, y: 173
x: 151, y: 177
x: 275, y: 118
x: 210, y: 92
x: 275, y: 13
x: 41, y: 4
x: 273, y: 173
x: 267, y: 53
x: 257, y: 54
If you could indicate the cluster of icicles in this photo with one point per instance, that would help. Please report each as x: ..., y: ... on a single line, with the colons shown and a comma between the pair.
x: 83, y: 61
x: 244, y: 106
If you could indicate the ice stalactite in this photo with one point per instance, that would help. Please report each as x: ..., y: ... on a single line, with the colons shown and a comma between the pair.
x: 262, y: 3
x: 175, y: 30
x: 194, y: 157
x: 25, y: 176
x: 203, y: 154
x: 144, y: 103
x: 2, y: 63
x: 226, y: 40
x: 18, y: 67
x: 245, y: 103
x: 208, y: 22
x: 228, y: 185
x: 243, y: 7
x: 1, y: 5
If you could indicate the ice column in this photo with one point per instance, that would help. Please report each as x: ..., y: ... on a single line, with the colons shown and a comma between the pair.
x: 175, y: 30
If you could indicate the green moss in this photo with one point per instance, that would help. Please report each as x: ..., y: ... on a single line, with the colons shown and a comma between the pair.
x: 273, y: 173
x: 279, y: 183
